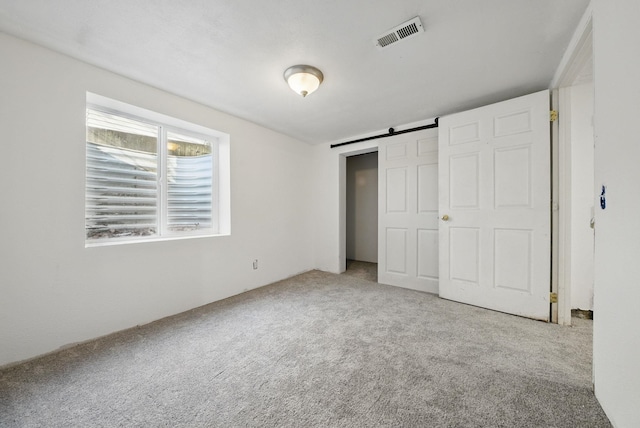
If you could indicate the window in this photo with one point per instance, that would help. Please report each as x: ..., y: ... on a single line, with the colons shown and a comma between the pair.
x: 149, y: 176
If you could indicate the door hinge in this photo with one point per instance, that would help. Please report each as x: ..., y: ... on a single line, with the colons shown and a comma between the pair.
x: 553, y: 115
x: 553, y: 297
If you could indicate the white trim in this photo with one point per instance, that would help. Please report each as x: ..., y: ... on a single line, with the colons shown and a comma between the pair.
x: 148, y: 115
x: 116, y: 241
x: 555, y: 211
x: 573, y: 58
x: 564, y: 213
x: 578, y: 53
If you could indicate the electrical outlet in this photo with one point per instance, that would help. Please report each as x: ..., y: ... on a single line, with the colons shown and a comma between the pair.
x: 255, y: 264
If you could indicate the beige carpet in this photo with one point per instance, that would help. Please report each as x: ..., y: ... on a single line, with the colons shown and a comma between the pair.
x: 362, y: 270
x: 317, y: 350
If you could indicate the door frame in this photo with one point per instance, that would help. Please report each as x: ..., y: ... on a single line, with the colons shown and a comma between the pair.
x: 579, y: 51
x: 342, y: 200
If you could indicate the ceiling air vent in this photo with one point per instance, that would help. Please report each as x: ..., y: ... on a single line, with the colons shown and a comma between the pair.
x: 401, y: 32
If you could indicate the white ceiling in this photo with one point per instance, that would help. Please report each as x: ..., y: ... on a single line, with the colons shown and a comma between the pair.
x: 230, y: 54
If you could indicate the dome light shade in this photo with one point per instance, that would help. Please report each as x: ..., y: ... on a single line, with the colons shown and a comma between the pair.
x: 303, y: 79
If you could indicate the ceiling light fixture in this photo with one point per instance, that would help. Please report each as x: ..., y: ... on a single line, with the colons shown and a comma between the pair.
x: 303, y: 79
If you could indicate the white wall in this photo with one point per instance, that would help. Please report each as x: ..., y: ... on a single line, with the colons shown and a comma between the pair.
x: 616, y: 355
x: 53, y: 290
x: 362, y: 208
x: 582, y: 196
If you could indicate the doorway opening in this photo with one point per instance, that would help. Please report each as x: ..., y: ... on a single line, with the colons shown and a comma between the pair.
x: 362, y: 216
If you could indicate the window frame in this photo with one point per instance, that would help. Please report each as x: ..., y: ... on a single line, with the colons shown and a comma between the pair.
x: 220, y: 210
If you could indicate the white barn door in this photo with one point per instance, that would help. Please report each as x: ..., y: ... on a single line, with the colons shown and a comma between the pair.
x: 408, y: 211
x: 495, y: 218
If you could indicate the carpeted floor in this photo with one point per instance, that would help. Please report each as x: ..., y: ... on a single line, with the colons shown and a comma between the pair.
x: 316, y: 350
x: 362, y: 270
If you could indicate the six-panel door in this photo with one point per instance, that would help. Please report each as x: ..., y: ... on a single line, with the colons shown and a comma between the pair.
x: 494, y: 189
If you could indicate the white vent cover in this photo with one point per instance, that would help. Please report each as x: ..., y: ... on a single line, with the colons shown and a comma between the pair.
x: 401, y: 32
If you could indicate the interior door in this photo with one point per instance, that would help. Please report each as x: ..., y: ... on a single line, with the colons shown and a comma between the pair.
x: 495, y: 218
x: 408, y: 211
